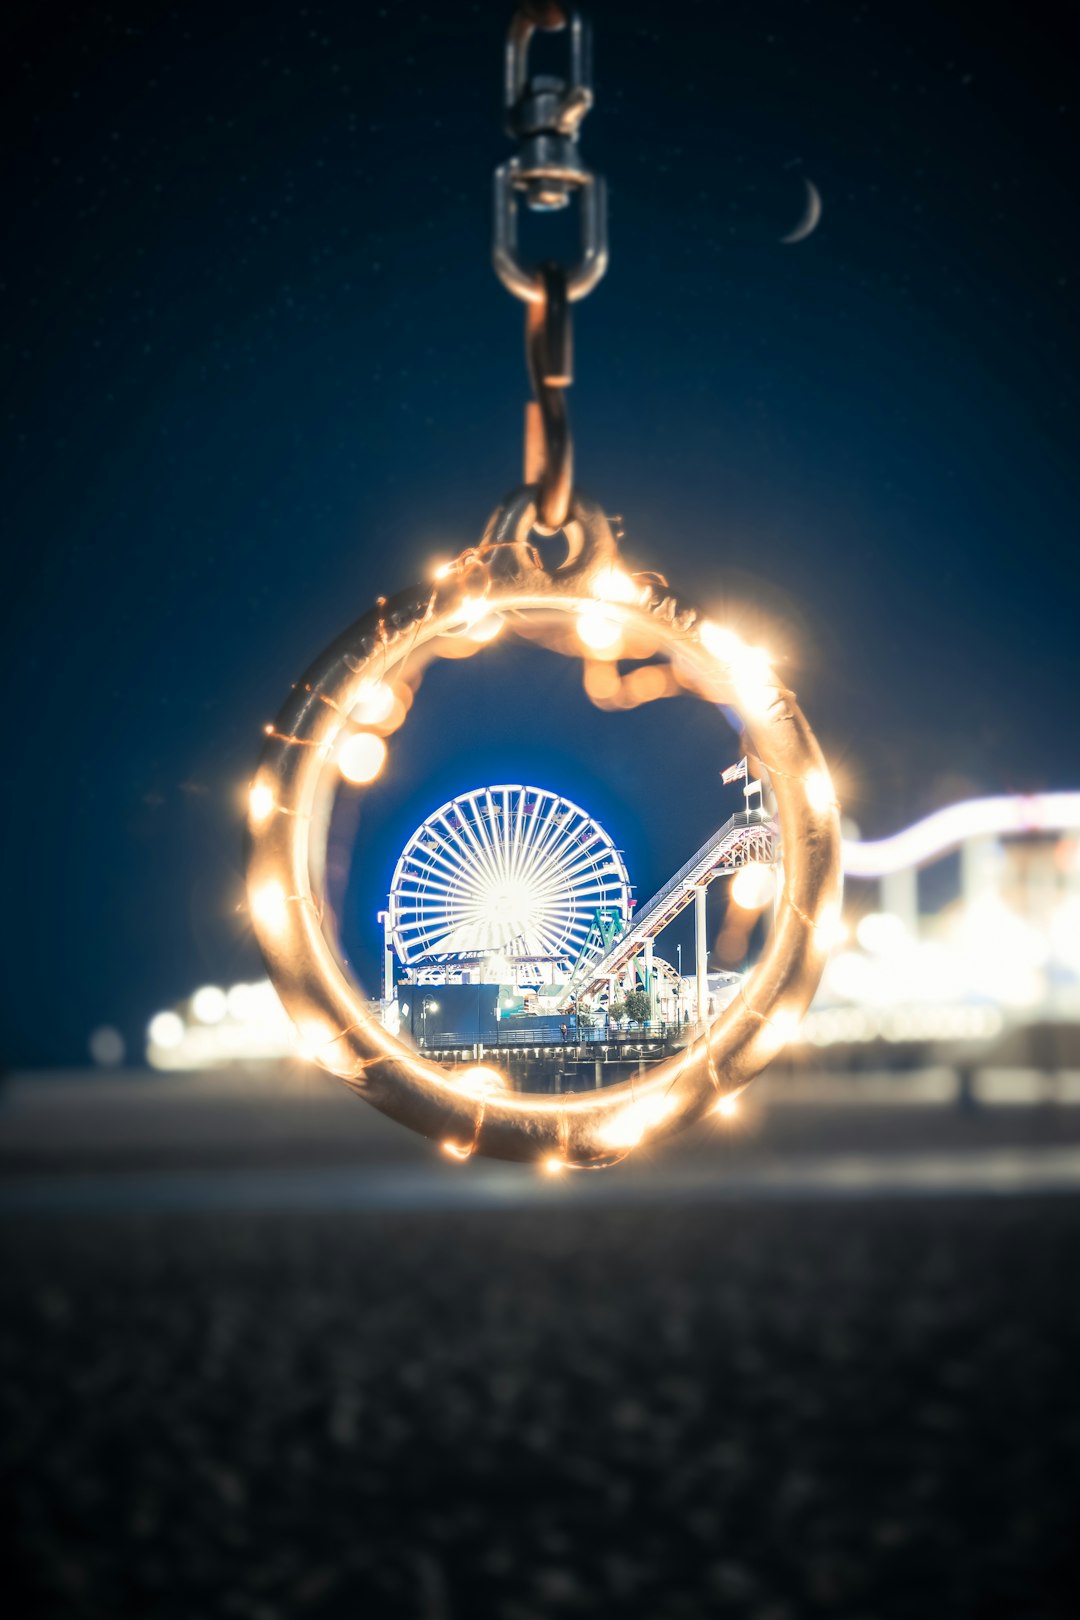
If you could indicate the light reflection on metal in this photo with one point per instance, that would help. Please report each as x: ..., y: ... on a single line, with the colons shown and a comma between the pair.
x: 286, y: 867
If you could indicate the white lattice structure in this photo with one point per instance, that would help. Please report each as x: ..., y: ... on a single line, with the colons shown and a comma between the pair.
x: 510, y: 877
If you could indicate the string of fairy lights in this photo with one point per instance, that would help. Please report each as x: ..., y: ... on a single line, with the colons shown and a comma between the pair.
x: 342, y: 721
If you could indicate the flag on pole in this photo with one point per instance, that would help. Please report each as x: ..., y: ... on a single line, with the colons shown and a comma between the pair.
x: 734, y: 773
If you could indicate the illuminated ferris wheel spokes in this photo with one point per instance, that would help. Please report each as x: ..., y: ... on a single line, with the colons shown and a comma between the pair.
x: 511, y: 871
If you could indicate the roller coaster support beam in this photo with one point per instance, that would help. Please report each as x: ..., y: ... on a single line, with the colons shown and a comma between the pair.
x: 701, y: 936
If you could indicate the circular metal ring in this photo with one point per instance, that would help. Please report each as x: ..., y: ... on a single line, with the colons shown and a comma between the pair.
x: 504, y: 582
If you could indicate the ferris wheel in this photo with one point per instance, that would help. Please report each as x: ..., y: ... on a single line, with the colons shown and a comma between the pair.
x: 510, y: 871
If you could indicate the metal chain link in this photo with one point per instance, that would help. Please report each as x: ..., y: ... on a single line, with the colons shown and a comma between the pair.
x: 549, y: 451
x: 544, y: 115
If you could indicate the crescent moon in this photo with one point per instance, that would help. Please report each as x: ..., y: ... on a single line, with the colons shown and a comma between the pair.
x: 811, y: 216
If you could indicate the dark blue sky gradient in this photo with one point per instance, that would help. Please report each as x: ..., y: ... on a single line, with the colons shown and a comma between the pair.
x: 256, y: 370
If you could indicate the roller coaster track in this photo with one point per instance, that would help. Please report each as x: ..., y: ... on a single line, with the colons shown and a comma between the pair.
x: 748, y: 836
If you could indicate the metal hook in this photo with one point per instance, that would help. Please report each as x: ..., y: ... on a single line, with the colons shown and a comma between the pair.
x: 544, y: 115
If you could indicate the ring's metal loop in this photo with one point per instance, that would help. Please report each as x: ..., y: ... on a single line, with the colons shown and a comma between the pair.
x: 591, y: 543
x: 476, y: 1110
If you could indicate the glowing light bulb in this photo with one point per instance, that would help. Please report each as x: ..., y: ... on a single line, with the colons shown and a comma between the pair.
x: 106, y: 1047
x: 602, y: 683
x: 209, y: 1004
x: 629, y: 1126
x: 241, y: 1002
x: 372, y: 702
x: 166, y: 1030
x: 777, y: 1030
x: 478, y: 1081
x: 830, y: 929
x: 755, y: 683
x: 473, y: 609
x: 645, y: 685
x: 720, y: 642
x: 613, y: 584
x: 598, y: 628
x: 454, y: 1150
x: 881, y: 933
x: 728, y: 1106
x: 268, y: 906
x: 820, y: 794
x: 553, y: 1166
x: 753, y: 886
x: 750, y: 667
x: 261, y: 803
x: 486, y: 629
x: 361, y: 757
x: 313, y: 1037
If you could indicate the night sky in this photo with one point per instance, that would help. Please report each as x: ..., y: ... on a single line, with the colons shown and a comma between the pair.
x: 257, y: 371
